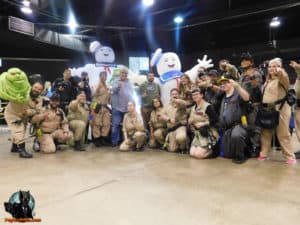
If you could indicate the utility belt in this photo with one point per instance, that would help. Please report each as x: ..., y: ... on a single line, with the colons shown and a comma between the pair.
x: 19, y: 122
x: 271, y: 106
x: 158, y: 127
x: 97, y: 106
x: 171, y: 129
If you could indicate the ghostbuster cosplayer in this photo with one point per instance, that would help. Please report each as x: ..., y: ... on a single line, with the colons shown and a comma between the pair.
x: 275, y: 91
x: 251, y: 80
x: 174, y: 113
x: 296, y: 67
x: 101, y: 116
x: 53, y: 126
x: 148, y: 91
x: 32, y: 107
x: 202, y: 122
x: 78, y: 117
x: 158, y: 128
x: 133, y: 130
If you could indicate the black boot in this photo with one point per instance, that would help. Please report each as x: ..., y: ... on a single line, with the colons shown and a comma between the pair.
x: 22, y: 151
x: 14, y: 148
x: 57, y: 145
x: 297, y: 154
x: 183, y: 151
x: 104, y: 141
x: 78, y: 147
x: 97, y: 142
x: 139, y: 149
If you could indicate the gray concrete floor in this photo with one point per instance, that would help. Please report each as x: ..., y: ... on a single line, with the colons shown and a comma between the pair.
x: 107, y: 187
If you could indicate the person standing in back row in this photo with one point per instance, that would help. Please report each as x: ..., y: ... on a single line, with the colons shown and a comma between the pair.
x: 122, y: 93
x: 101, y: 116
x: 148, y: 91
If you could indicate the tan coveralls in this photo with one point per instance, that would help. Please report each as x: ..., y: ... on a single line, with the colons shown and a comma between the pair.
x: 78, y: 117
x: 101, y: 121
x: 53, y: 127
x: 133, y: 126
x: 158, y: 128
x: 198, y: 114
x: 297, y: 107
x: 17, y: 116
x: 275, y: 90
x: 177, y: 138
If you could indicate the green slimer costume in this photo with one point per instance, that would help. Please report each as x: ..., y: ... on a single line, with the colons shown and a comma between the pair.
x: 14, y: 86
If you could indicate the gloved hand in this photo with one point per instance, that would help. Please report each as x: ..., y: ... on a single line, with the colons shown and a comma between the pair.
x: 205, y: 63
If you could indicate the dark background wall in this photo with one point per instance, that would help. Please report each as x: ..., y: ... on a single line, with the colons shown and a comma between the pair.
x: 35, y: 57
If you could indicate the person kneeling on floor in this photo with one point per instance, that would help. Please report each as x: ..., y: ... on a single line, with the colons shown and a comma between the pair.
x: 53, y: 125
x: 133, y: 130
x: 202, y: 120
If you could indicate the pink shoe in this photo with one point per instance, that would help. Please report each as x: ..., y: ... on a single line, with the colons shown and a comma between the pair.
x: 291, y: 161
x: 261, y: 158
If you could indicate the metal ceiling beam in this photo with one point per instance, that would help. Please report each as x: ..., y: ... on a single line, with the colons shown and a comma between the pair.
x: 89, y: 26
x: 83, y: 31
x: 236, y: 15
x: 35, y: 9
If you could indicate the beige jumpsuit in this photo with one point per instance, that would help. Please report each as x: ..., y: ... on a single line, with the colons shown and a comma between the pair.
x: 133, y: 126
x: 297, y: 108
x: 101, y: 121
x: 275, y: 89
x: 53, y: 127
x: 78, y: 117
x: 158, y: 129
x: 200, y: 144
x: 177, y: 138
x: 17, y: 116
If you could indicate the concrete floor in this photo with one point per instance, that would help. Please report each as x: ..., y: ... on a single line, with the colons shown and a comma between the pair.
x: 107, y: 187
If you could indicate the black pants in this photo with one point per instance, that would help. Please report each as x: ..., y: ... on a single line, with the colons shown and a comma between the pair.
x: 234, y: 142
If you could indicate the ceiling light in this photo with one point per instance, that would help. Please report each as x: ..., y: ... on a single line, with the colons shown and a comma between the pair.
x: 148, y: 2
x: 26, y: 3
x: 178, y: 19
x: 72, y: 23
x: 26, y: 10
x: 275, y: 22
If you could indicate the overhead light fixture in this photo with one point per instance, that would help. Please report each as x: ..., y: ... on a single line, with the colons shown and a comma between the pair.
x: 26, y: 3
x: 148, y: 2
x: 26, y: 10
x: 178, y: 19
x: 275, y: 22
x: 72, y: 23
x: 26, y: 7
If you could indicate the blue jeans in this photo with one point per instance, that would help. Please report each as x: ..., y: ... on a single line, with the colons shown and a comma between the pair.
x: 117, y: 118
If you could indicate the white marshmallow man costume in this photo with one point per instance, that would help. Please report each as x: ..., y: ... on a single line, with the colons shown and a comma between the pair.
x: 168, y: 68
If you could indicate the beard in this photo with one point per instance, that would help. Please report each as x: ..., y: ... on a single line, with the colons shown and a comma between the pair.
x: 54, y: 107
x: 34, y: 94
